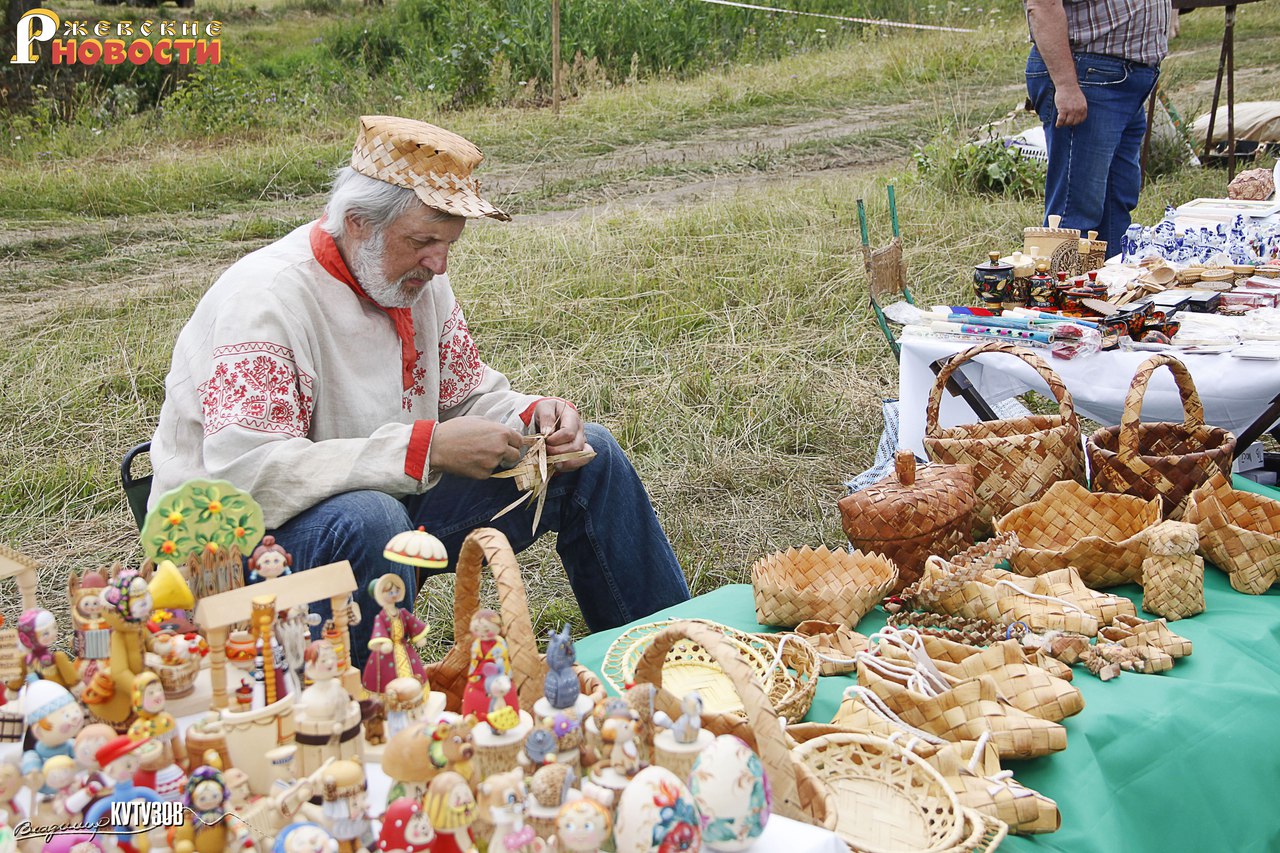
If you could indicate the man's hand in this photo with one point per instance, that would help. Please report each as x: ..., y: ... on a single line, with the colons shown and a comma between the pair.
x: 473, y: 447
x: 560, y: 424
x: 1071, y: 105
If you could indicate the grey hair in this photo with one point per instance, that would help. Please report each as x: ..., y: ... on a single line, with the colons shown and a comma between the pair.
x: 376, y: 203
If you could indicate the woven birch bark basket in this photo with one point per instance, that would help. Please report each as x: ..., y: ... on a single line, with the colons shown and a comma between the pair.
x: 1015, y: 460
x: 1239, y: 533
x: 1160, y: 460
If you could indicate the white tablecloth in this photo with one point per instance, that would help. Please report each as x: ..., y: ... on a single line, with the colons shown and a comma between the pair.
x: 1234, y: 391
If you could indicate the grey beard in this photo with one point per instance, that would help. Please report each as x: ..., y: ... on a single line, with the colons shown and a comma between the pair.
x: 366, y: 266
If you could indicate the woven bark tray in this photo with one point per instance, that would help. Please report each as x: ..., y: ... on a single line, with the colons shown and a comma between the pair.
x: 1015, y: 460
x: 797, y: 792
x: 1160, y: 460
x: 528, y: 667
x: 793, y: 586
x: 1239, y: 533
x: 1102, y: 535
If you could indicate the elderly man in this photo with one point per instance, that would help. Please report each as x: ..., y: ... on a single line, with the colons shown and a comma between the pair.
x: 332, y: 375
x: 1093, y: 64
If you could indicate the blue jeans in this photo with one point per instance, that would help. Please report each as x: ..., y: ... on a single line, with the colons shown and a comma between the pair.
x: 1095, y: 169
x: 619, y: 561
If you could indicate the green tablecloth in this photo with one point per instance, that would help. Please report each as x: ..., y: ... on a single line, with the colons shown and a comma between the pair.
x: 1184, y: 761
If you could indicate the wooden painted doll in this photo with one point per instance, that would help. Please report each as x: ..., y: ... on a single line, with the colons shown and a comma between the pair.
x: 582, y: 826
x: 489, y: 656
x: 38, y: 632
x: 110, y: 695
x: 345, y: 805
x: 395, y: 632
x: 151, y: 720
x: 205, y: 829
x: 93, y: 637
x: 451, y: 808
x: 405, y: 828
x: 270, y: 560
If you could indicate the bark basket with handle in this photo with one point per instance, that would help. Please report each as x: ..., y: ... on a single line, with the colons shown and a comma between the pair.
x: 797, y: 792
x: 528, y: 667
x: 1165, y: 460
x: 1015, y: 460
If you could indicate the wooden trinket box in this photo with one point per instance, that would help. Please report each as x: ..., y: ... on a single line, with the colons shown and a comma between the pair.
x: 912, y: 515
x: 1060, y: 245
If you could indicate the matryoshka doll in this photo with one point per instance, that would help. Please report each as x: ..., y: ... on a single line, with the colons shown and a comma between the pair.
x: 38, y: 632
x: 489, y: 657
x: 405, y: 828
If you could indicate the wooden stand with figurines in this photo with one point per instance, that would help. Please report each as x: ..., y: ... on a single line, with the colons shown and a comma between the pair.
x: 326, y: 718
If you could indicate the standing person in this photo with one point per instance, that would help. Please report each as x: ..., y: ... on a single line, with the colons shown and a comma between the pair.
x: 1092, y: 65
x: 332, y: 375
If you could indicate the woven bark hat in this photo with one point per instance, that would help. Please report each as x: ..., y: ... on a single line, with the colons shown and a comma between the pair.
x: 433, y: 162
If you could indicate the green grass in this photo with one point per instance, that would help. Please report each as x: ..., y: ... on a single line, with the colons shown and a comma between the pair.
x: 725, y: 340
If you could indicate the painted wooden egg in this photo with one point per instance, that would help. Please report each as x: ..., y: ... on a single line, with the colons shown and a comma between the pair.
x: 656, y: 814
x: 731, y: 790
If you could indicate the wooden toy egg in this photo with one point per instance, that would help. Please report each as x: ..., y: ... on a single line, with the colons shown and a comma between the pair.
x: 731, y: 790
x: 657, y: 814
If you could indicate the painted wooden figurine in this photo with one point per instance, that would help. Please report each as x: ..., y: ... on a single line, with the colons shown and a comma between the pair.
x: 38, y: 633
x: 501, y: 799
x: 421, y: 752
x: 405, y: 828
x: 327, y: 718
x: 205, y: 828
x: 110, y: 695
x: 93, y: 638
x: 344, y: 803
x: 169, y: 752
x: 395, y: 632
x: 54, y: 719
x: 451, y: 808
x: 304, y: 837
x: 561, y: 686
x: 582, y: 826
x: 488, y: 654
x: 11, y: 782
x: 269, y: 560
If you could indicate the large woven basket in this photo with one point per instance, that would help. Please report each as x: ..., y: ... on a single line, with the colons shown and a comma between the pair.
x: 1239, y: 533
x: 888, y: 799
x: 1160, y: 460
x: 912, y: 515
x: 793, y: 586
x: 787, y: 670
x: 797, y: 792
x: 528, y: 667
x: 1101, y: 534
x: 1015, y: 460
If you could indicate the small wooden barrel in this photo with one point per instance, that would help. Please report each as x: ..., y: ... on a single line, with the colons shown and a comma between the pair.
x: 679, y: 757
x: 498, y: 753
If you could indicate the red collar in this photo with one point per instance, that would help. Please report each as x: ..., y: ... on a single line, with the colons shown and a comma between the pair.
x: 326, y: 252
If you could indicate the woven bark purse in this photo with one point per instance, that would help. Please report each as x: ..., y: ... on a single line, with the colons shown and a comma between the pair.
x: 1165, y: 460
x: 1015, y: 460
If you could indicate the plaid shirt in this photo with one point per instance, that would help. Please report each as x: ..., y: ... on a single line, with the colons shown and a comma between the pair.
x: 1137, y: 30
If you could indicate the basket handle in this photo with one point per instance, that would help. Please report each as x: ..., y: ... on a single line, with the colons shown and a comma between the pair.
x: 770, y: 740
x: 485, y: 544
x: 1193, y: 410
x: 1056, y: 386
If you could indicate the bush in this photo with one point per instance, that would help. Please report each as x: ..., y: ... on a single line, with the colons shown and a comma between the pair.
x: 992, y: 165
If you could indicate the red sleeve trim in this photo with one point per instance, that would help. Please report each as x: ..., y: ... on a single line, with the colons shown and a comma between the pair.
x: 415, y: 459
x: 527, y: 414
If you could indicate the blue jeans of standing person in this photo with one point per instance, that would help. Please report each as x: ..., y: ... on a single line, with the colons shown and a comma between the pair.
x: 1095, y: 169
x: 619, y: 561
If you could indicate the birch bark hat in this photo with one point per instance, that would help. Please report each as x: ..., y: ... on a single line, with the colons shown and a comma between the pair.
x: 433, y: 162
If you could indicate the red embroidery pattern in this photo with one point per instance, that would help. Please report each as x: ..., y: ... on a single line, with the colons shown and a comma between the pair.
x: 417, y: 389
x: 256, y: 385
x: 461, y: 369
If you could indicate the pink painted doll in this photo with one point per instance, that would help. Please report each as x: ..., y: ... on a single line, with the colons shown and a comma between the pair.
x: 488, y: 653
x: 395, y: 632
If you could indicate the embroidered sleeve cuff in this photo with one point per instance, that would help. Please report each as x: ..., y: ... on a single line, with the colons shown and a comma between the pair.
x: 415, y: 459
x: 527, y: 414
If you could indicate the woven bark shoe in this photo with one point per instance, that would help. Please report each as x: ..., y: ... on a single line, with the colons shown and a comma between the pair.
x: 1156, y: 659
x: 960, y: 711
x: 835, y: 644
x: 1156, y: 633
x: 1022, y: 685
x: 973, y: 771
x: 1067, y: 584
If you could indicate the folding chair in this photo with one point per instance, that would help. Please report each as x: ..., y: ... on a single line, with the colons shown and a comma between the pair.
x: 887, y: 281
x: 136, y: 489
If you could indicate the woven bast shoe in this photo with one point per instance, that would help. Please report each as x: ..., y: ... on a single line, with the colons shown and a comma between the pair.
x: 835, y: 644
x: 960, y: 711
x: 1156, y: 632
x: 1068, y: 584
x: 973, y: 771
x: 1023, y: 685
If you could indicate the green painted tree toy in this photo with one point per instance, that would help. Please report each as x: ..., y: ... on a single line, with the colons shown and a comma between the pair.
x: 207, y: 524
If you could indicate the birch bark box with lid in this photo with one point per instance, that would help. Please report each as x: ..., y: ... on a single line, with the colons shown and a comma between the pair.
x: 915, y: 513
